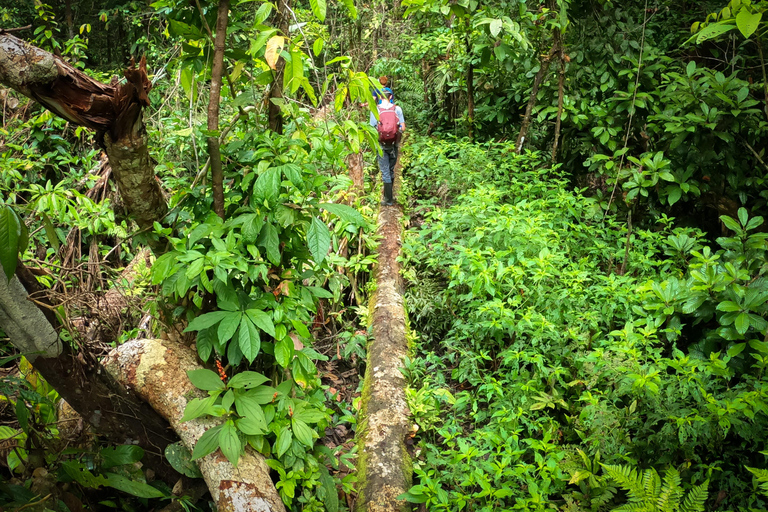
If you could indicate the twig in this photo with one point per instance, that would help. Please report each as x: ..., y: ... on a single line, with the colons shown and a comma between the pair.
x: 33, y: 503
x: 15, y: 29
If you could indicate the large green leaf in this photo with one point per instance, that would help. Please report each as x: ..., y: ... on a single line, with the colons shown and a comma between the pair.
x: 250, y: 342
x: 10, y: 232
x: 247, y: 380
x: 205, y: 379
x: 181, y: 460
x: 230, y: 442
x: 229, y: 325
x: 206, y: 320
x: 125, y: 484
x: 302, y: 432
x: 271, y: 242
x: 345, y: 213
x: 267, y: 185
x: 318, y: 239
x: 207, y: 443
x: 121, y: 455
x: 712, y: 31
x: 283, y: 442
x: 262, y: 320
x: 319, y: 9
x: 747, y: 22
x: 284, y: 351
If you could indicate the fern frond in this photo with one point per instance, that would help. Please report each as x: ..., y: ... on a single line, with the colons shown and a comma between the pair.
x: 628, y: 479
x: 671, y: 493
x: 651, y: 484
x: 694, y: 502
x: 635, y: 507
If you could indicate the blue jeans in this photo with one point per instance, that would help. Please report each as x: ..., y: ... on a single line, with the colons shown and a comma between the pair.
x: 387, y: 162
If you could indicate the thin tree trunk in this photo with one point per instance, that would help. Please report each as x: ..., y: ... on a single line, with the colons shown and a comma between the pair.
x: 560, y: 97
x: 275, y: 116
x: 115, y: 413
x: 68, y: 18
x: 114, y: 111
x: 470, y: 84
x: 544, y: 67
x: 217, y: 174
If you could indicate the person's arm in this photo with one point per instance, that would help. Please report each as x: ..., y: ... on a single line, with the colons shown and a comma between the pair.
x: 372, y: 120
x: 400, y: 118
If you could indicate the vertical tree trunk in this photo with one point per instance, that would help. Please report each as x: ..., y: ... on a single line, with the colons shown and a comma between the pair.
x: 470, y: 83
x: 544, y: 67
x: 217, y: 173
x: 275, y: 116
x: 560, y: 95
x: 68, y: 18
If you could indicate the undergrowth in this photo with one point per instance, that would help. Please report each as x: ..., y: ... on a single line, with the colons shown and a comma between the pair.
x: 551, y: 342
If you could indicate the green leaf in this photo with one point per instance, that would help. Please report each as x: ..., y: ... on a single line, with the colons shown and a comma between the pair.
x: 712, y: 31
x: 267, y: 185
x: 262, y: 320
x: 205, y: 379
x: 297, y: 71
x: 250, y: 342
x: 121, y: 455
x: 283, y: 442
x: 252, y: 226
x: 247, y: 380
x: 345, y: 213
x: 262, y: 395
x: 318, y: 239
x: 728, y: 306
x: 50, y: 232
x: 10, y: 232
x: 228, y: 326
x: 302, y: 432
x: 271, y: 242
x: 133, y: 487
x: 207, y: 443
x: 206, y: 320
x: 495, y: 27
x: 747, y: 22
x: 317, y: 47
x: 742, y: 323
x: 319, y: 9
x: 204, y: 343
x: 180, y: 459
x: 331, y: 500
x: 250, y: 426
x: 227, y: 400
x: 284, y: 351
x: 230, y: 443
x: 301, y: 329
x: 690, y: 68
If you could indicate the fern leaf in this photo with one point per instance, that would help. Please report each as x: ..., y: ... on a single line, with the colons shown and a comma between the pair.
x: 671, y: 493
x: 694, y: 502
x: 651, y: 484
x: 628, y: 479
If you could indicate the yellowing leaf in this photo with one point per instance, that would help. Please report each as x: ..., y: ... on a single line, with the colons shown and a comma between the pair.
x: 274, y: 47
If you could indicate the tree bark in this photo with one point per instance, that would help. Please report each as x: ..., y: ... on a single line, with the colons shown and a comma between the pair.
x: 157, y: 370
x: 560, y: 97
x: 68, y: 18
x: 109, y: 408
x: 217, y: 174
x: 114, y: 111
x: 470, y: 85
x: 275, y: 116
x: 544, y: 67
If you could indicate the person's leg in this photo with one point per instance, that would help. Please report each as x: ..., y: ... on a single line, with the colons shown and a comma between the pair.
x: 386, y: 164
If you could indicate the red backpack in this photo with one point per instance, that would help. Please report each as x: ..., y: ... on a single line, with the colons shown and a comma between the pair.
x: 387, y: 126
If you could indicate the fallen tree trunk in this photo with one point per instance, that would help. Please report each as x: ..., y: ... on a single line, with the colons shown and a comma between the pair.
x: 110, y: 409
x: 385, y: 466
x: 114, y: 111
x: 157, y: 371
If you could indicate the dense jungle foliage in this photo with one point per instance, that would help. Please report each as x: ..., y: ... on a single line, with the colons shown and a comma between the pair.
x: 584, y: 186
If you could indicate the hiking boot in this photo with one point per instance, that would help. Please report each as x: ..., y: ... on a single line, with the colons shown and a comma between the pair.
x: 387, y: 201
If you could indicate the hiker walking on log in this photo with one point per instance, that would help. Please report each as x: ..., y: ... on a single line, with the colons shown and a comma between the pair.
x: 391, y: 126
